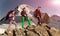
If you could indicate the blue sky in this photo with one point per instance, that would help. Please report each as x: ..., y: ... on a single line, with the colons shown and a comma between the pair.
x: 47, y: 6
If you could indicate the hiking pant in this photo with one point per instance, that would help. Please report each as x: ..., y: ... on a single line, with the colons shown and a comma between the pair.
x: 39, y: 20
x: 23, y: 19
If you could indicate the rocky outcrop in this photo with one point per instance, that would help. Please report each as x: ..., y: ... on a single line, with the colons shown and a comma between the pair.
x: 45, y: 18
x: 39, y: 30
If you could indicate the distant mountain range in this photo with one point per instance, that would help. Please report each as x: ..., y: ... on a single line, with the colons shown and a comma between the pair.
x: 54, y: 19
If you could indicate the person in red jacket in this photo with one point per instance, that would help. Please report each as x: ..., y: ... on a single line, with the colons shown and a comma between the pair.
x: 11, y: 17
x: 37, y: 15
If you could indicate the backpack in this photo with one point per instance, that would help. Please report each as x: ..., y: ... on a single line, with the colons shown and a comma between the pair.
x: 9, y: 14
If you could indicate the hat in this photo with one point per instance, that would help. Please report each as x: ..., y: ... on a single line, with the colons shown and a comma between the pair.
x: 39, y: 6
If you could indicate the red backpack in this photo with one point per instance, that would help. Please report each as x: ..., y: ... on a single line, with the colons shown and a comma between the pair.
x: 9, y: 15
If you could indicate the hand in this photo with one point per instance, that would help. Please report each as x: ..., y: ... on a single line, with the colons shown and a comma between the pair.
x: 24, y: 15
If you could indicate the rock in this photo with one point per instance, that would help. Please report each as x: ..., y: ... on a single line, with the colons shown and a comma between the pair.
x: 19, y: 32
x: 31, y: 33
x: 45, y: 18
x: 41, y: 30
x: 38, y: 30
x: 54, y: 32
x: 9, y: 32
x: 59, y: 32
x: 30, y: 27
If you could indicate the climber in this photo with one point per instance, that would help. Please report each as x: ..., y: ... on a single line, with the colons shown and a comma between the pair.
x: 25, y: 17
x: 11, y: 17
x: 37, y: 14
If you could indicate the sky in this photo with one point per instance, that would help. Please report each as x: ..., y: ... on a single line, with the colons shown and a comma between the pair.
x: 52, y: 7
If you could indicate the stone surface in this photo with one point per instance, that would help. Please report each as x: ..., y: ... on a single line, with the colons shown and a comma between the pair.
x: 34, y: 30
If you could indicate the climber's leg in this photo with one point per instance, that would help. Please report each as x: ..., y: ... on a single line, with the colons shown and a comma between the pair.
x: 22, y: 21
x: 29, y: 22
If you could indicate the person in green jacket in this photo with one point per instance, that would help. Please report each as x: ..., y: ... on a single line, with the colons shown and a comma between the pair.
x: 25, y: 17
